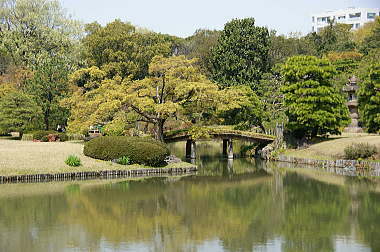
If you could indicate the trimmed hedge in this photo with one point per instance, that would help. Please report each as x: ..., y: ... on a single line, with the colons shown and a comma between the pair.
x: 139, y: 150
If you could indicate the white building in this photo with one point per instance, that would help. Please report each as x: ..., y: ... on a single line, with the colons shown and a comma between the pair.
x: 356, y: 17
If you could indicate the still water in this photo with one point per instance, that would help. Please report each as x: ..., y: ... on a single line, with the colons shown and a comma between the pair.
x: 241, y: 206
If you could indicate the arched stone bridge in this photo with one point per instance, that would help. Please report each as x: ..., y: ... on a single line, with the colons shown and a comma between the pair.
x: 208, y: 133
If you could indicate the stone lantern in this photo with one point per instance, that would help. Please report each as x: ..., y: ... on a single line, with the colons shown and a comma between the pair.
x: 352, y: 103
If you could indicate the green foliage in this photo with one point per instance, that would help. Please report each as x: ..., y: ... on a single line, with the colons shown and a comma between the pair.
x: 117, y: 127
x: 143, y: 151
x: 44, y: 139
x: 124, y: 160
x: 241, y: 54
x: 249, y: 114
x: 372, y: 40
x: 73, y: 161
x: 369, y: 98
x: 334, y: 37
x: 359, y: 150
x: 283, y: 47
x: 272, y: 99
x: 42, y: 135
x: 32, y: 30
x: 39, y: 134
x: 314, y: 106
x: 63, y: 137
x: 17, y: 112
x: 199, y: 46
x: 48, y: 86
x: 118, y: 49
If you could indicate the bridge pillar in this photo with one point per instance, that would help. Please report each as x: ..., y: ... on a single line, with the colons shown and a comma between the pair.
x: 228, y: 149
x: 191, y: 149
x: 225, y: 147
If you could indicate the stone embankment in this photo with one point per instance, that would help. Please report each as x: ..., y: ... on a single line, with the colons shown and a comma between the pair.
x: 346, y: 166
x: 143, y: 172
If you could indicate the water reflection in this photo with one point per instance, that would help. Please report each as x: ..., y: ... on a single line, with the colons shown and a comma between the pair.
x: 237, y: 207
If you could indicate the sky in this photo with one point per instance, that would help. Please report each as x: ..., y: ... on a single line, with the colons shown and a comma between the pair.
x: 183, y: 18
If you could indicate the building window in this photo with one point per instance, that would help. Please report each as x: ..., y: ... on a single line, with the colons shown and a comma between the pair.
x: 357, y: 25
x: 371, y: 15
x: 313, y: 19
x: 355, y: 15
x: 341, y: 17
x: 312, y: 29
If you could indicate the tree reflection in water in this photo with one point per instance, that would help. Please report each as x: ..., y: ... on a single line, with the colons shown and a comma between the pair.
x: 241, y: 208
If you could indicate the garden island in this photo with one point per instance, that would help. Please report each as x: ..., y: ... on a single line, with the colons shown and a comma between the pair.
x: 237, y: 139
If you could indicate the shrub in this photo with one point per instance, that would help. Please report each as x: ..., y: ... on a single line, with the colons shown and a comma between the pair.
x: 75, y: 137
x: 63, y: 137
x: 73, y: 160
x: 124, y: 160
x: 44, y: 139
x: 27, y: 137
x: 139, y: 150
x: 359, y: 150
x: 38, y: 135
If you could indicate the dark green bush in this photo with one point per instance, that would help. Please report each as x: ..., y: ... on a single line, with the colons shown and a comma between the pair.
x: 139, y: 150
x: 359, y: 150
x: 44, y: 139
x: 63, y: 137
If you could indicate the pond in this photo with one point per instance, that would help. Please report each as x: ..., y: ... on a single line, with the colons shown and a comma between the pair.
x: 244, y: 205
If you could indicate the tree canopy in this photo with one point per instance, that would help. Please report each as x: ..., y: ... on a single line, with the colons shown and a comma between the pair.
x: 313, y: 106
x: 369, y: 98
x: 17, y: 112
x: 241, y: 55
x: 118, y: 49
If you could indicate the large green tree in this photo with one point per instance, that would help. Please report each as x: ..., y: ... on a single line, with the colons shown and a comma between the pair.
x: 17, y: 112
x: 174, y: 89
x: 241, y: 55
x: 48, y: 86
x: 314, y: 105
x: 120, y: 49
x: 369, y: 98
x: 35, y: 29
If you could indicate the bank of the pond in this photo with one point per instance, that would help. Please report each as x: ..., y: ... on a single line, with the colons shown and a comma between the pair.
x: 30, y: 161
x: 330, y: 153
x: 333, y: 147
x: 350, y: 166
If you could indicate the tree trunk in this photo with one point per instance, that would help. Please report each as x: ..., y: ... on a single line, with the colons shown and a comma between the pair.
x: 160, y: 130
x: 46, y: 119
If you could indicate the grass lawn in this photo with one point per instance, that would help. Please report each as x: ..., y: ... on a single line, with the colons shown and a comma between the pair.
x: 333, y: 148
x: 24, y: 157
